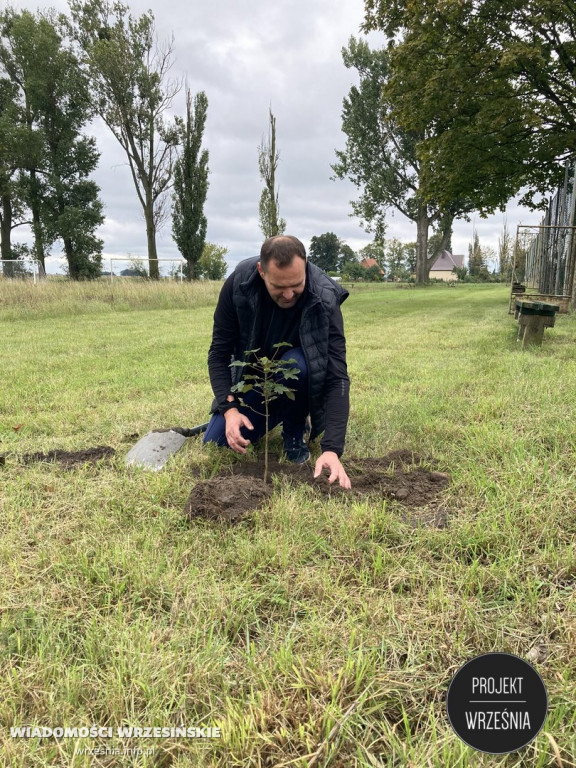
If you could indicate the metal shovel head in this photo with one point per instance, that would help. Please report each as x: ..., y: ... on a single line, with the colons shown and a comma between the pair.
x: 154, y: 449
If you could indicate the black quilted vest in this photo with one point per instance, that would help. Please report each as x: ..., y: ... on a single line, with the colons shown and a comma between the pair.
x: 321, y: 298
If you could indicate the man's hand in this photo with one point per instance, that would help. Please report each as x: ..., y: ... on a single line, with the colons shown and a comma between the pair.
x: 329, y: 460
x: 234, y: 422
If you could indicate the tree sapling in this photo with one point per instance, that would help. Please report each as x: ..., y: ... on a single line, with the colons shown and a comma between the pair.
x: 266, y: 377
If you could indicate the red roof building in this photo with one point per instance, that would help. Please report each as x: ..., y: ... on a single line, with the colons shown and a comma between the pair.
x: 367, y: 263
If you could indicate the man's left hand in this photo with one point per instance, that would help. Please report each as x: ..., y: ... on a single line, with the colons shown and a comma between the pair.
x: 329, y: 460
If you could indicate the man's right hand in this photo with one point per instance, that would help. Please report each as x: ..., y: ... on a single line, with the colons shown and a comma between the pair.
x: 234, y: 422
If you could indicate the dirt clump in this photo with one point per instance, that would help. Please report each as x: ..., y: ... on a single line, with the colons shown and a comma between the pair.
x: 226, y: 498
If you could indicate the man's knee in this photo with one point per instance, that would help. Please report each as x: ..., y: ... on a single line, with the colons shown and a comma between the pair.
x: 216, y: 431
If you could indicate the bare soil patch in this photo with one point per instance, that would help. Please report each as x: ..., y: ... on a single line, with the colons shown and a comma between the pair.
x: 70, y: 459
x: 399, y: 476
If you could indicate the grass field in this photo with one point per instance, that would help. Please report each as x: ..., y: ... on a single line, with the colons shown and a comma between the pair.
x: 314, y: 633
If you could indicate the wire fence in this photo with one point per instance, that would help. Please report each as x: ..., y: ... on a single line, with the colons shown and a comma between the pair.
x: 139, y: 268
x: 118, y: 268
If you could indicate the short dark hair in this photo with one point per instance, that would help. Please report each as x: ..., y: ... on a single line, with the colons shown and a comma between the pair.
x: 281, y: 248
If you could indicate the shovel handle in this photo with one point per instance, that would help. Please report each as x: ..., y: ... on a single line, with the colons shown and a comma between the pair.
x: 193, y: 430
x: 185, y: 431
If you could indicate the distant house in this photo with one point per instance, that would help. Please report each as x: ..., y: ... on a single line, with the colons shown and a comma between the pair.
x: 367, y: 263
x: 444, y: 264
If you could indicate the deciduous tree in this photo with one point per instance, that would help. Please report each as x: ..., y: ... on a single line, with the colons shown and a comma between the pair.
x: 212, y: 264
x: 505, y: 253
x: 477, y: 265
x: 346, y: 258
x: 269, y: 209
x: 12, y: 142
x: 325, y: 251
x: 381, y: 158
x: 52, y: 158
x: 396, y: 264
x: 496, y: 79
x: 191, y: 184
x: 129, y: 71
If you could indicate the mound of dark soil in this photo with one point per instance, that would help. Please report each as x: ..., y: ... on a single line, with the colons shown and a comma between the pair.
x: 71, y: 459
x: 398, y: 476
x: 226, y: 497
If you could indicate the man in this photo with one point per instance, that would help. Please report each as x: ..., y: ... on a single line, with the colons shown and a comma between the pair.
x: 281, y: 297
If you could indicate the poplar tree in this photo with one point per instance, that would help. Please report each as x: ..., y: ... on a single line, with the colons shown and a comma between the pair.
x: 505, y: 253
x: 477, y: 266
x: 269, y: 210
x: 191, y: 185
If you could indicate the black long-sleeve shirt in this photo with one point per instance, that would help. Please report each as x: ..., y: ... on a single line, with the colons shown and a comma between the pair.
x: 278, y: 325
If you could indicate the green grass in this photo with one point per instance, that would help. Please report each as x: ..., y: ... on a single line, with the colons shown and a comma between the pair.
x: 314, y: 633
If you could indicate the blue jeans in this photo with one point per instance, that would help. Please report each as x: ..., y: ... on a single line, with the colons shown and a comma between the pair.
x: 292, y: 413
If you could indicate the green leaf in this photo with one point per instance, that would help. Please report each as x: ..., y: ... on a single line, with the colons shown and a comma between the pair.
x: 242, y: 387
x: 281, y: 388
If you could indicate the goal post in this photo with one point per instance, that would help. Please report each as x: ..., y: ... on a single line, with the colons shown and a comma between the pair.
x: 22, y: 269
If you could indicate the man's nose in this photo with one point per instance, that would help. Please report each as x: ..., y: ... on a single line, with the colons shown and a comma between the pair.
x: 288, y: 295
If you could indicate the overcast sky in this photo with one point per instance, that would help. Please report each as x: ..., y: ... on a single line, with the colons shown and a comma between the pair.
x: 249, y: 55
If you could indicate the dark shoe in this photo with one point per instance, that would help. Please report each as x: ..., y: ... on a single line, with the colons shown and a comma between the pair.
x: 296, y: 450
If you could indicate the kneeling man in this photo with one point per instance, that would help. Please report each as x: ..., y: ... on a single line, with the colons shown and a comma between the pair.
x: 281, y: 297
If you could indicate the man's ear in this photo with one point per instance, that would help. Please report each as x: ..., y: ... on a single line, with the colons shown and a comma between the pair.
x: 260, y: 270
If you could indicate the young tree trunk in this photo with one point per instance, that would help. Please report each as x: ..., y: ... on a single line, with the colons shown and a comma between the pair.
x: 266, y: 449
x: 266, y: 396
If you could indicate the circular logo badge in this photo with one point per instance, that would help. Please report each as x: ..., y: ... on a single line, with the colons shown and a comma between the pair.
x: 497, y: 703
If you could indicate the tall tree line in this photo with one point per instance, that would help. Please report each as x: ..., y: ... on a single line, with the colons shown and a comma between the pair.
x: 56, y: 74
x: 466, y: 104
x: 45, y: 160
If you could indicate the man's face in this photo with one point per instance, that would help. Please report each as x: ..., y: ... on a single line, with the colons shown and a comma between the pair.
x: 284, y: 284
